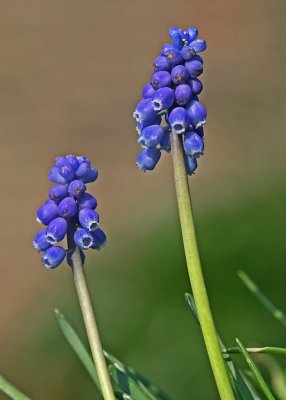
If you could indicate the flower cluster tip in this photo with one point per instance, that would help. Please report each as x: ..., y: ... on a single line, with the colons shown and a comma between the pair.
x: 170, y: 102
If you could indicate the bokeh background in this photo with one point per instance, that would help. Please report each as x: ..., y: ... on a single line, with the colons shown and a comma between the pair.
x: 71, y: 73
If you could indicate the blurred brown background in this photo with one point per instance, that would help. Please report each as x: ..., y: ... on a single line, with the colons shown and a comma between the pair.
x: 71, y: 73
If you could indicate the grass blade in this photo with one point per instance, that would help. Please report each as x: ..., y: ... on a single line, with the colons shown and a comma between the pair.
x: 261, y: 382
x: 11, y: 391
x: 77, y: 345
x: 242, y: 388
x: 256, y: 291
x: 258, y: 350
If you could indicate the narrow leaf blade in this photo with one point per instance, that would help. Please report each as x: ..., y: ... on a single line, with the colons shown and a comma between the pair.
x: 261, y: 382
x: 77, y: 345
x: 257, y: 292
x: 11, y: 391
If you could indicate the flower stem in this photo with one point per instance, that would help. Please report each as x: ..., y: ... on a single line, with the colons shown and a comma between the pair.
x: 195, y: 270
x: 89, y: 320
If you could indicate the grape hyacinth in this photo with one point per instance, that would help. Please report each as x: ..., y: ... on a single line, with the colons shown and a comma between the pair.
x: 68, y: 212
x: 170, y: 101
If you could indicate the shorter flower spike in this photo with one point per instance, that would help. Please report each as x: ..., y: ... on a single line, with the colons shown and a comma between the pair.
x: 69, y: 210
x: 53, y: 257
x: 40, y: 241
x: 148, y: 159
x: 88, y: 219
x: 173, y: 95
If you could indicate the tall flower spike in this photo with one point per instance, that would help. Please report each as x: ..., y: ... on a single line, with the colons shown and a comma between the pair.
x: 183, y: 117
x: 69, y: 210
x: 170, y: 100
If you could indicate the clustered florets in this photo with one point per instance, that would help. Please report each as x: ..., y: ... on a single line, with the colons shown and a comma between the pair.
x: 69, y: 210
x: 170, y: 101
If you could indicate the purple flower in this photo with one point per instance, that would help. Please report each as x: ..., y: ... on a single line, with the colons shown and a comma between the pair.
x: 69, y: 210
x: 173, y: 94
x: 53, y: 257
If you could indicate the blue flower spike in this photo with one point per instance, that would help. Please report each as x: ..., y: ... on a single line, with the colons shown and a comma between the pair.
x: 170, y: 103
x: 69, y: 211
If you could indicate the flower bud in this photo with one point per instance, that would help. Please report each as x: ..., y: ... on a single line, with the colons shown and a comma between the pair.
x: 165, y: 143
x: 90, y: 176
x: 99, y: 239
x: 174, y: 56
x: 151, y: 136
x: 148, y: 159
x: 165, y: 48
x: 179, y: 75
x: 148, y: 91
x: 198, y: 45
x: 193, y: 33
x: 160, y: 79
x: 64, y: 168
x: 144, y: 111
x: 55, y: 176
x: 88, y: 219
x: 86, y: 200
x: 67, y: 208
x: 76, y: 188
x: 197, y: 113
x: 53, y: 257
x: 40, y: 242
x: 141, y: 125
x: 176, y: 36
x: 83, y: 239
x: 73, y: 161
x: 196, y: 86
x: 183, y: 94
x: 56, y: 230
x: 82, y: 170
x: 161, y: 64
x: 163, y: 98
x: 194, y: 67
x: 191, y: 164
x: 193, y: 145
x: 47, y: 213
x: 179, y: 120
x: 57, y: 193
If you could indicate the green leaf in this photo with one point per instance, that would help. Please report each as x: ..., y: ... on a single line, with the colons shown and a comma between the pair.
x: 128, y: 381
x: 76, y: 344
x: 261, y: 382
x: 11, y: 390
x: 242, y: 389
x: 144, y: 385
x: 256, y: 291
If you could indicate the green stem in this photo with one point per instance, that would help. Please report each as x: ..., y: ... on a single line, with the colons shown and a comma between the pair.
x: 195, y: 270
x: 91, y: 327
x: 267, y: 350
